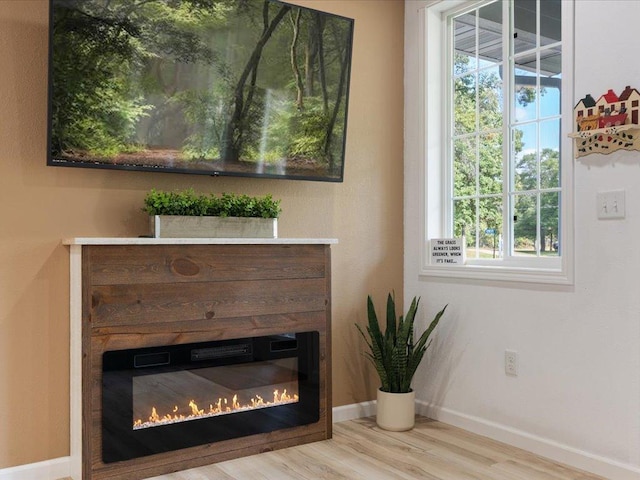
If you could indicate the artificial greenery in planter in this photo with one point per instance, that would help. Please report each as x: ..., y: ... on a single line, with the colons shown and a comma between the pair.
x: 189, y: 203
x: 396, y: 357
x: 186, y: 213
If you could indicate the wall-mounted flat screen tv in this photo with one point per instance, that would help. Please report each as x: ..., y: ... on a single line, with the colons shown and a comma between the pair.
x: 215, y: 87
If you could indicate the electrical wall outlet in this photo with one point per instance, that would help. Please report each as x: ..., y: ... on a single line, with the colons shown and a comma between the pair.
x: 511, y: 363
x: 610, y: 204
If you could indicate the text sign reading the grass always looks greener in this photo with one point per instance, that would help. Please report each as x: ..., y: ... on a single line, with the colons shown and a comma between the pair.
x: 447, y: 251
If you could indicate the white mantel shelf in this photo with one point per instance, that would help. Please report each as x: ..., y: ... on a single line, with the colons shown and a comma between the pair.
x: 196, y: 241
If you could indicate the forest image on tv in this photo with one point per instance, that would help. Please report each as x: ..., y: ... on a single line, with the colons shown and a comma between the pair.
x: 217, y: 87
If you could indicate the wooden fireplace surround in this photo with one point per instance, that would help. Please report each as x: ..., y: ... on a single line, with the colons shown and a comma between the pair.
x: 134, y: 293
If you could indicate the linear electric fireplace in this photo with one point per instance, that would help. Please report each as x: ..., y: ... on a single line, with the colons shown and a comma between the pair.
x: 187, y: 352
x: 160, y: 399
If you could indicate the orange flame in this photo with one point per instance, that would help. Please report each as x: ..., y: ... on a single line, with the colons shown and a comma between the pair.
x: 221, y: 407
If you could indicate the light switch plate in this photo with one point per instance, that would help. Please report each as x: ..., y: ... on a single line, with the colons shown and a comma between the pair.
x: 610, y: 204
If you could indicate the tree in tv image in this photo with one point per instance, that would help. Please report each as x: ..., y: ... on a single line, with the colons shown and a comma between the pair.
x: 231, y: 87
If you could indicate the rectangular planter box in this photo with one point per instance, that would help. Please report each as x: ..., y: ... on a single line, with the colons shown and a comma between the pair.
x: 176, y: 226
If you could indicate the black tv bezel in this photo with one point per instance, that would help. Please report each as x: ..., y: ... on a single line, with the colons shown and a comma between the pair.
x: 61, y: 162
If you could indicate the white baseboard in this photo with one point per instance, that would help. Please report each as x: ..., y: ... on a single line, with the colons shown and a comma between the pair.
x: 46, y: 470
x: 353, y: 411
x: 544, y: 447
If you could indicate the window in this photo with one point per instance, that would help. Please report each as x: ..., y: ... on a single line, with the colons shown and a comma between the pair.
x: 501, y: 152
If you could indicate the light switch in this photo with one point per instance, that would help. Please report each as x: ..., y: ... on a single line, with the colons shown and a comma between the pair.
x: 610, y: 204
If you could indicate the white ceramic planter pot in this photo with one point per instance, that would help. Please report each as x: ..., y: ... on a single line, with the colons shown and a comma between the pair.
x: 396, y: 412
x: 175, y: 226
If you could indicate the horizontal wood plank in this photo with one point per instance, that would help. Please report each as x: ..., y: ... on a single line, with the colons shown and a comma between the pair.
x: 141, y: 304
x: 120, y: 337
x: 118, y: 265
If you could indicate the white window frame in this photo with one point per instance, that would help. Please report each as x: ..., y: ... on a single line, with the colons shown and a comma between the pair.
x: 426, y: 83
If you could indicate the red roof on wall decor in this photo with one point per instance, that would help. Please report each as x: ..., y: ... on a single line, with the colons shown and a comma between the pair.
x: 610, y: 97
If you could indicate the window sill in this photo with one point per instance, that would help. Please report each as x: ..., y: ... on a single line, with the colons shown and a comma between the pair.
x: 500, y: 273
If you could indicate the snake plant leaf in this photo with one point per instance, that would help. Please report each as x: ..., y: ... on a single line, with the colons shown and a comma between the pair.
x: 391, y: 317
x: 374, y: 356
x: 422, y: 345
x: 393, y: 353
x: 374, y: 327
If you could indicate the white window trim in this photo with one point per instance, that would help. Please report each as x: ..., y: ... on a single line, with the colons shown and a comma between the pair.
x: 424, y: 137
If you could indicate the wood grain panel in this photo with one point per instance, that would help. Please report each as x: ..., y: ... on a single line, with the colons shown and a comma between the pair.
x: 120, y: 337
x: 155, y: 303
x: 145, y: 296
x: 115, y: 265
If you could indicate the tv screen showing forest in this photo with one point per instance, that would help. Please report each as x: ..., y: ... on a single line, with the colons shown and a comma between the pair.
x: 212, y: 87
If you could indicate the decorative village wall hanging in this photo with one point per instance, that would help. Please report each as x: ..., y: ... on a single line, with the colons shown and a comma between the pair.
x: 608, y: 124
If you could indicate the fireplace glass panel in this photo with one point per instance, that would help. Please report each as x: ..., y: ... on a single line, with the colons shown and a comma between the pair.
x: 160, y: 399
x: 166, y: 398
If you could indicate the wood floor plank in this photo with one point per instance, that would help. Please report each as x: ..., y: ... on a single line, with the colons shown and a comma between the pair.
x: 359, y: 450
x: 444, y: 460
x: 310, y: 464
x: 383, y: 465
x: 262, y: 467
x: 372, y: 442
x: 352, y: 466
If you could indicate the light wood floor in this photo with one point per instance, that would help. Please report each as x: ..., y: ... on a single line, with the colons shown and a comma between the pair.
x: 359, y: 450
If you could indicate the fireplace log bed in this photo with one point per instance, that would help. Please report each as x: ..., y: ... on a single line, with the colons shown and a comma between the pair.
x: 140, y: 293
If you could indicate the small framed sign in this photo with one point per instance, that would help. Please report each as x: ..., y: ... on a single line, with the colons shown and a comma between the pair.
x: 447, y: 251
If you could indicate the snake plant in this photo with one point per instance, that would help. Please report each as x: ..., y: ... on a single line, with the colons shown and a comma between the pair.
x: 394, y: 353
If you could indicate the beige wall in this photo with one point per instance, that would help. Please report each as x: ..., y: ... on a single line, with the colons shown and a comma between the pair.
x: 40, y: 205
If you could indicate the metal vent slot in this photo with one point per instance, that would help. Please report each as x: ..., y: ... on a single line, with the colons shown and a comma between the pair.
x: 200, y: 354
x: 151, y: 359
